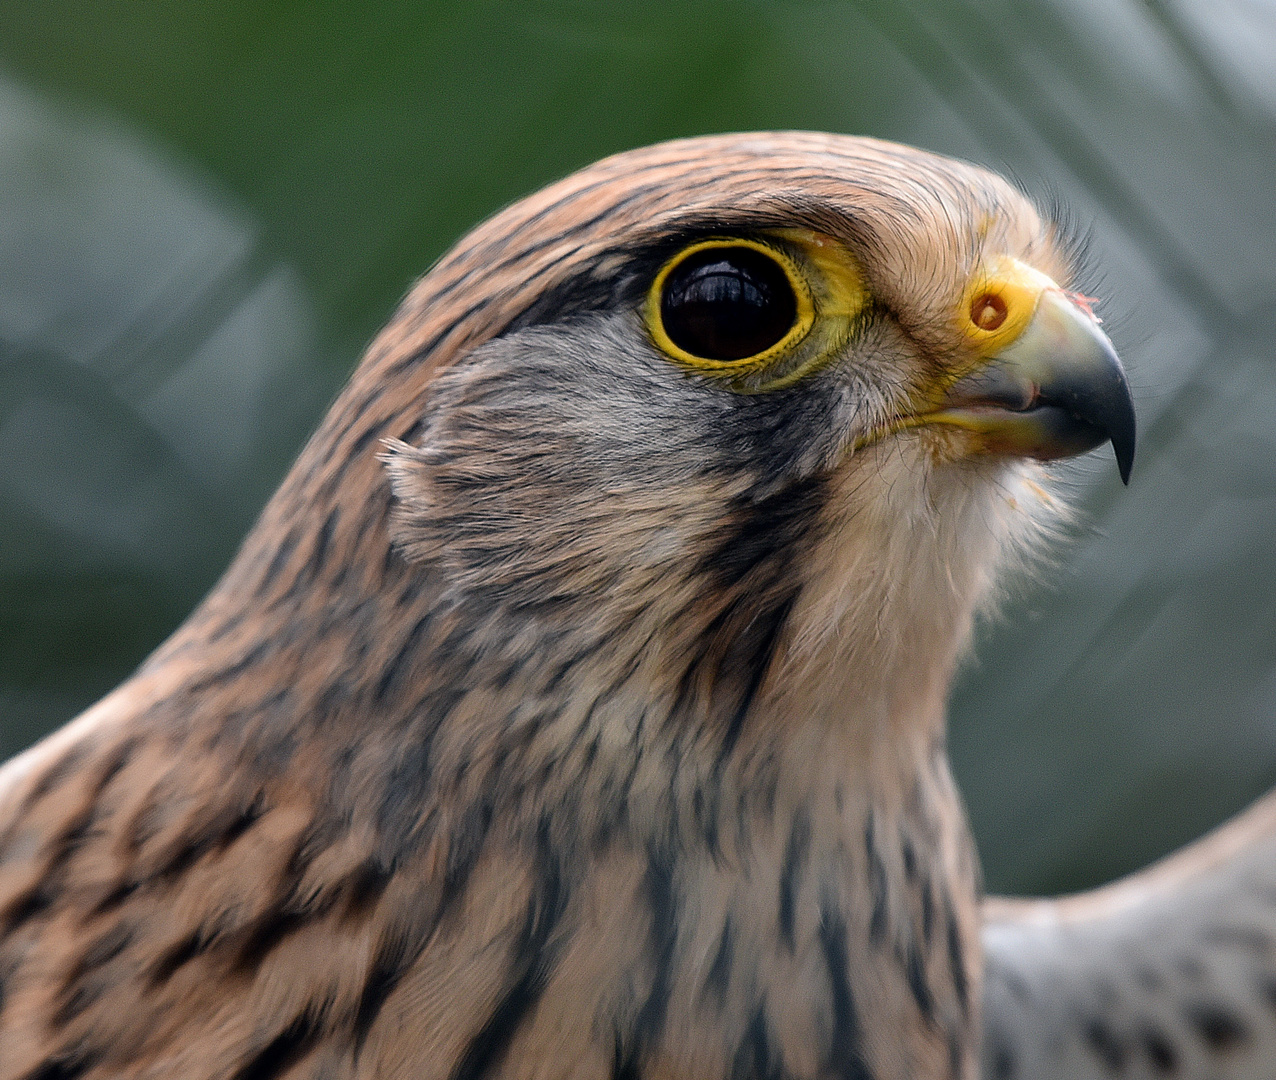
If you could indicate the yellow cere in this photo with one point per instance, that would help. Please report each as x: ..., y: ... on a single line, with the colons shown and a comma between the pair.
x: 830, y: 296
x: 1013, y: 286
x: 1014, y: 289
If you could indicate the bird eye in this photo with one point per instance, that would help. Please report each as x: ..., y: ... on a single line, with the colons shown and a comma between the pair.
x: 727, y: 301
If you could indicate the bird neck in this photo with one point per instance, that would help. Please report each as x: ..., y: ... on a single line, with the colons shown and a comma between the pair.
x: 909, y: 557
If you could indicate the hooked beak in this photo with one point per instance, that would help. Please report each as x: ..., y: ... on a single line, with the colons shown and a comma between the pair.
x: 1056, y: 390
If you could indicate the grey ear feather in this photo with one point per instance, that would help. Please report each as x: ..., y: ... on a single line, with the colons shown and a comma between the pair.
x: 502, y: 498
x: 414, y: 503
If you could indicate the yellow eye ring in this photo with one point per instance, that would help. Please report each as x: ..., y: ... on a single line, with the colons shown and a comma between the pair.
x: 700, y: 254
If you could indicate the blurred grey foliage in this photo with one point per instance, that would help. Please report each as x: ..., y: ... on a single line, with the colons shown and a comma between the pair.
x: 152, y: 385
x: 159, y: 362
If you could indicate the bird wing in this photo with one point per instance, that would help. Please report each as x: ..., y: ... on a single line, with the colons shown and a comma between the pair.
x: 1168, y: 972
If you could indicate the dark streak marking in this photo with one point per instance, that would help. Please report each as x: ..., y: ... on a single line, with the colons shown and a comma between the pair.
x: 718, y: 976
x: 283, y: 1051
x: 43, y: 894
x: 25, y: 907
x: 876, y: 883
x: 267, y: 935
x: 1016, y: 984
x: 175, y: 957
x: 795, y: 854
x: 533, y: 961
x: 241, y: 823
x: 77, y: 1001
x: 1149, y: 979
x: 1221, y: 1031
x: 1267, y: 987
x: 365, y: 439
x: 115, y: 897
x: 754, y: 1059
x: 57, y: 772
x: 62, y: 1069
x: 278, y: 561
x: 367, y: 884
x: 405, y: 650
x: 1250, y: 938
x: 1160, y: 1051
x: 915, y: 969
x: 1104, y: 1044
x: 623, y: 1066
x: 845, y: 1056
x: 705, y: 809
x: 662, y: 903
x: 348, y: 418
x: 103, y: 949
x: 217, y: 836
x: 225, y: 626
x: 353, y: 453
x: 956, y: 1053
x: 387, y: 969
x: 227, y: 674
x: 1003, y: 1060
x: 957, y: 960
x: 396, y: 954
x: 314, y: 565
x: 909, y: 855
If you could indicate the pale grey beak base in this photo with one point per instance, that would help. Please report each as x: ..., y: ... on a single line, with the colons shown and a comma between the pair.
x: 1063, y: 384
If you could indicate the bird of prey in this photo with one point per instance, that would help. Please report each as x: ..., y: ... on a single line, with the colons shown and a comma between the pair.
x: 576, y: 706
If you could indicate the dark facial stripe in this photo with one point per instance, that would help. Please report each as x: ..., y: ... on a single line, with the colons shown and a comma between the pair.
x: 759, y: 642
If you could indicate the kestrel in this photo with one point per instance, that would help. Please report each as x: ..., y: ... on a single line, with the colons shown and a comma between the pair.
x: 576, y: 707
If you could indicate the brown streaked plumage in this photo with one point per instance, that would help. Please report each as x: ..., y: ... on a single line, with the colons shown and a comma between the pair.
x: 570, y: 712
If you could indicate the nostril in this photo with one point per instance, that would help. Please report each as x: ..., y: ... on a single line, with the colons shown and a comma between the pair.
x: 988, y: 311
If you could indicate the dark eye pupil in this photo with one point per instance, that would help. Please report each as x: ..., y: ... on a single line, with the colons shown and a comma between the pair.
x: 727, y: 303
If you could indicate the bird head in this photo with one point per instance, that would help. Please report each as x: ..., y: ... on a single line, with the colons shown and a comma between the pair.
x: 729, y: 424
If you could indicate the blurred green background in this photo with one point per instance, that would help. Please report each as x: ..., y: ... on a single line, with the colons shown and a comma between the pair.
x: 207, y: 208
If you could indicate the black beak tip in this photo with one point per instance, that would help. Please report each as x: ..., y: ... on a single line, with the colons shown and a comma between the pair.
x: 1099, y: 413
x: 1122, y: 429
x: 1123, y: 446
x: 1107, y: 403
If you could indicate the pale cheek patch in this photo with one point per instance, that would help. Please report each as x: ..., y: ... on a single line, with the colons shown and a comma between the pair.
x: 916, y: 545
